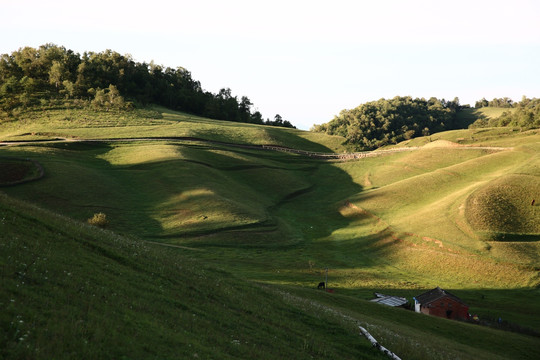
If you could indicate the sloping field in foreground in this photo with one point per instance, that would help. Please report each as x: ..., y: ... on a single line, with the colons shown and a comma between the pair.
x: 73, y: 291
x: 400, y: 223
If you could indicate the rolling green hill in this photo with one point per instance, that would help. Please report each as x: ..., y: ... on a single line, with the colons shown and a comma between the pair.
x: 73, y: 291
x: 399, y: 223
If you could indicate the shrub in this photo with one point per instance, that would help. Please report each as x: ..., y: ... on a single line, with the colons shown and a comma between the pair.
x: 99, y: 219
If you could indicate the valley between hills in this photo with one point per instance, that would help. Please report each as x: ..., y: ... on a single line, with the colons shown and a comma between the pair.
x: 213, y: 248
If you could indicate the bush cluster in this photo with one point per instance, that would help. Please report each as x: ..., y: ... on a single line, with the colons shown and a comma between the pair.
x: 99, y: 219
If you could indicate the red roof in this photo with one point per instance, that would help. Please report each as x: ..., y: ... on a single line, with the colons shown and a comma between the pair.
x: 436, y: 294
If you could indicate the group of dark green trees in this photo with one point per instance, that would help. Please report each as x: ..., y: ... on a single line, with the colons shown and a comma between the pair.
x: 390, y: 121
x: 504, y: 102
x: 384, y: 122
x: 31, y: 76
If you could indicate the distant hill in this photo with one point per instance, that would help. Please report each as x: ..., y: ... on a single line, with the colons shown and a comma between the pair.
x: 389, y: 121
x: 386, y: 122
x: 524, y: 114
x: 52, y: 75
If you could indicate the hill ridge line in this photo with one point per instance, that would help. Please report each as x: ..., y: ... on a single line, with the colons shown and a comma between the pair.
x: 312, y: 154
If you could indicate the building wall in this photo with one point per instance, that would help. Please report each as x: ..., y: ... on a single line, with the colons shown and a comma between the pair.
x: 446, y: 308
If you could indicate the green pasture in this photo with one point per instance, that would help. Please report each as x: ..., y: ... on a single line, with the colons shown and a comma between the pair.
x: 401, y: 223
x: 73, y: 291
x: 156, y: 122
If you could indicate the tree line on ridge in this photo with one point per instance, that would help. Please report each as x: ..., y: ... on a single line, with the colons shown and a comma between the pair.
x: 32, y: 77
x: 389, y: 121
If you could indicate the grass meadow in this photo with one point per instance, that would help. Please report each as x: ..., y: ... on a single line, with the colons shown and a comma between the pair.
x: 70, y: 290
x: 268, y: 224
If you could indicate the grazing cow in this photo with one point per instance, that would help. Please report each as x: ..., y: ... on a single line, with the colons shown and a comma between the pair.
x: 321, y: 285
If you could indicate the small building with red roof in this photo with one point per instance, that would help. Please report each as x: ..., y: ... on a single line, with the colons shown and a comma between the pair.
x: 441, y: 303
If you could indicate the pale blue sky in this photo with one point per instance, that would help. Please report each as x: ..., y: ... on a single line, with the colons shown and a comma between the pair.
x: 306, y: 60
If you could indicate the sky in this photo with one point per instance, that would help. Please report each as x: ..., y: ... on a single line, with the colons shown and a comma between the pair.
x: 305, y: 60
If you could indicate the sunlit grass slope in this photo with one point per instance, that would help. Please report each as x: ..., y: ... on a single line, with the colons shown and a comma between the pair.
x: 73, y: 291
x: 158, y: 122
x: 165, y: 190
x: 435, y: 216
x: 488, y: 208
x: 503, y: 137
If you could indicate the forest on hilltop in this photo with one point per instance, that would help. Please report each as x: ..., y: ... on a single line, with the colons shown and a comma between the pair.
x: 107, y: 80
x: 384, y: 122
x: 390, y: 121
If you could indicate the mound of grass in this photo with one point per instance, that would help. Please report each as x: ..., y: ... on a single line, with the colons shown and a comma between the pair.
x: 16, y: 171
x: 99, y: 219
x: 505, y: 205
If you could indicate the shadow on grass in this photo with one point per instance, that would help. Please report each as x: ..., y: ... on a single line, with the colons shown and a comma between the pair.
x: 466, y: 117
x: 78, y: 183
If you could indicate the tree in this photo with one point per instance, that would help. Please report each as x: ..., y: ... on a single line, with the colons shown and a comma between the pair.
x: 257, y: 118
x: 244, y: 109
x: 481, y: 103
x: 278, y: 120
x: 56, y: 73
x: 69, y: 89
x: 100, y: 99
x: 114, y: 97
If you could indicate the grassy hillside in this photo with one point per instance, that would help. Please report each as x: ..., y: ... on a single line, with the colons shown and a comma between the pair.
x: 73, y: 291
x: 400, y: 223
x: 159, y: 122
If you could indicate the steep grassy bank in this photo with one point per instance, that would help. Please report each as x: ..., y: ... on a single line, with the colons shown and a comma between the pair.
x: 73, y: 291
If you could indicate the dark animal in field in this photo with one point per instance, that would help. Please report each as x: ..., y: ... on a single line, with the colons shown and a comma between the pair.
x: 321, y: 285
x: 532, y: 204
